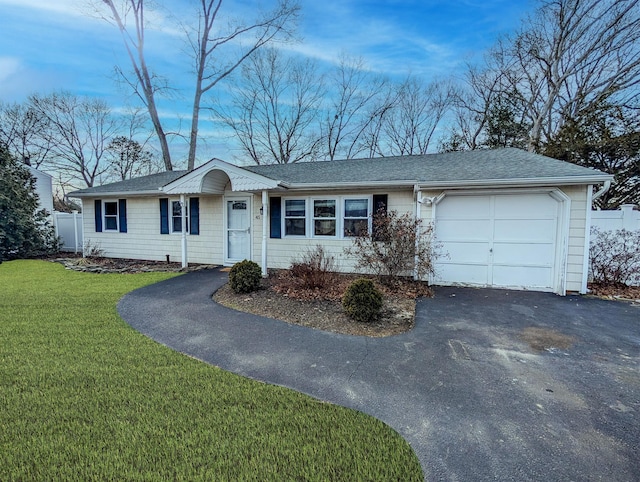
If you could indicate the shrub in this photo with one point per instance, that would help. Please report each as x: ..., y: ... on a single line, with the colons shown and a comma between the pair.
x: 362, y: 301
x: 315, y: 270
x: 397, y: 246
x: 244, y: 276
x: 614, y: 256
x: 25, y: 229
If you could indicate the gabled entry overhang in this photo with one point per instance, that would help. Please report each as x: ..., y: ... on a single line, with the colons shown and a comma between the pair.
x: 214, y: 176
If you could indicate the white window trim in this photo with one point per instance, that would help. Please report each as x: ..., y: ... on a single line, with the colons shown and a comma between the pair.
x: 336, y: 218
x: 309, y: 218
x: 306, y: 218
x: 171, y: 216
x: 369, y: 199
x: 105, y: 215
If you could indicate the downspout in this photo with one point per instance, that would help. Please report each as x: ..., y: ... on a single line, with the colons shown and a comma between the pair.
x: 604, y: 189
x: 265, y: 227
x: 183, y: 216
x: 587, y: 242
x: 418, y: 216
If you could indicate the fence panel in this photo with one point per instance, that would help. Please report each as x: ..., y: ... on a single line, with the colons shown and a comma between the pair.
x: 624, y: 218
x: 69, y: 230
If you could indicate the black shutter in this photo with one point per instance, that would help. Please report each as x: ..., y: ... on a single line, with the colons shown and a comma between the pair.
x: 379, y: 208
x: 164, y: 216
x: 122, y: 215
x: 98, y: 214
x: 275, y: 213
x: 194, y: 215
x: 379, y: 203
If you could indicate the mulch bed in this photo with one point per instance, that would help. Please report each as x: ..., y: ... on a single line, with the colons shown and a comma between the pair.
x: 284, y: 297
x: 615, y: 292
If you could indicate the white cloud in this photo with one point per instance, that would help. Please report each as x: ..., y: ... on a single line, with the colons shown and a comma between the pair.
x: 66, y: 7
x: 8, y: 67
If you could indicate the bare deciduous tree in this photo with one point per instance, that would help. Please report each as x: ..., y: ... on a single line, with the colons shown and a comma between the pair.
x: 275, y: 108
x: 356, y: 100
x: 418, y: 110
x: 78, y: 131
x: 567, y: 58
x: 127, y: 159
x: 21, y: 131
x: 210, y: 41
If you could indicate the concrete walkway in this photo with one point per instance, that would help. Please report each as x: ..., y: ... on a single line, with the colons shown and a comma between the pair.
x: 471, y: 397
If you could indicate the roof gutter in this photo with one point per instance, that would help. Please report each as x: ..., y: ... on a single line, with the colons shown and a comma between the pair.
x: 551, y: 181
x: 114, y: 194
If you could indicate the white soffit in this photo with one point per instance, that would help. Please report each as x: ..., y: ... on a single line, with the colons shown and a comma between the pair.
x: 241, y: 180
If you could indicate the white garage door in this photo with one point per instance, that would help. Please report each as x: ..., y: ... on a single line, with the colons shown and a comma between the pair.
x: 502, y: 240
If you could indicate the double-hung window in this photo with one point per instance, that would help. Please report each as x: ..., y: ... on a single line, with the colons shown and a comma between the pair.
x: 356, y: 217
x: 110, y: 215
x: 295, y: 217
x: 324, y: 217
x: 176, y: 217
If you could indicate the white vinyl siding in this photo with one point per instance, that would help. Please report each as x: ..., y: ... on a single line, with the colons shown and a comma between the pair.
x: 144, y: 241
x: 281, y: 252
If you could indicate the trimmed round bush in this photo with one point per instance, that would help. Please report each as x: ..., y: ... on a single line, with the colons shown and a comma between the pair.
x: 244, y: 276
x: 362, y: 301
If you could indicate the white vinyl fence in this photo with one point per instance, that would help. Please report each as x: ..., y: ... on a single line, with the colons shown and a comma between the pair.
x: 69, y: 230
x: 624, y: 218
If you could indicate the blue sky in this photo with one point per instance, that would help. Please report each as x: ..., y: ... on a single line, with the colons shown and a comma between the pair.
x: 49, y: 45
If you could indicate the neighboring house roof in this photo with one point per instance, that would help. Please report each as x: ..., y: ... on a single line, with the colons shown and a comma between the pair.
x: 498, y: 167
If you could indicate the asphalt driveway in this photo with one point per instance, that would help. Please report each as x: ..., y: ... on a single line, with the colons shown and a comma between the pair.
x: 489, y: 385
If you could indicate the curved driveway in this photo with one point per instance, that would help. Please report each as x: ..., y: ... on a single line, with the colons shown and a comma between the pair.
x: 474, y: 400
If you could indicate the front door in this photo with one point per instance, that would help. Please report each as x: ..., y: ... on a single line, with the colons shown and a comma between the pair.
x: 238, y: 229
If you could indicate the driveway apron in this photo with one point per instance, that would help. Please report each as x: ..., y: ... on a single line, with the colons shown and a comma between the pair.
x: 465, y: 387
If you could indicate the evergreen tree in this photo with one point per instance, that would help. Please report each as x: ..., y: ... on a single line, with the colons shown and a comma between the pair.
x: 25, y: 230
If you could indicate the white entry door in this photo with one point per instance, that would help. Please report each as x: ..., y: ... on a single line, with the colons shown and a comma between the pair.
x: 238, y: 229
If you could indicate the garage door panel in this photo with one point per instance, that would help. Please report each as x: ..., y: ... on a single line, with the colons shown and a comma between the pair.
x: 467, y: 252
x: 453, y: 273
x: 524, y: 206
x: 467, y: 207
x: 519, y: 277
x: 453, y: 230
x: 520, y: 254
x: 533, y: 230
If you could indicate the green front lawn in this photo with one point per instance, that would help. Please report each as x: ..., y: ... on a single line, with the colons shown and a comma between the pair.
x: 85, y: 397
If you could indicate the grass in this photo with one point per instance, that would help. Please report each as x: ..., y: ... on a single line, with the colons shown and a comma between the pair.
x: 85, y: 397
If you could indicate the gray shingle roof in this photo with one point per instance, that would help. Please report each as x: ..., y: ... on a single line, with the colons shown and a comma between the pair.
x: 479, y: 165
x: 144, y: 184
x: 457, y: 168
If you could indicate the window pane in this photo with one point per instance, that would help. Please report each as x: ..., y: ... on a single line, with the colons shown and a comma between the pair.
x: 295, y: 208
x: 295, y: 227
x: 355, y: 227
x: 324, y: 227
x: 111, y: 209
x: 111, y: 223
x: 177, y: 224
x: 356, y: 208
x: 177, y: 210
x: 324, y: 208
